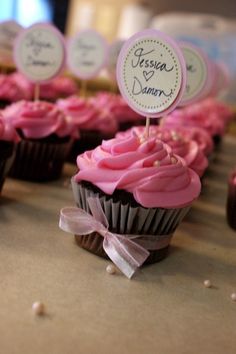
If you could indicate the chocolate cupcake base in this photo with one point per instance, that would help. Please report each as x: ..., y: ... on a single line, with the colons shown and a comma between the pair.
x: 126, y: 217
x: 93, y: 243
x: 40, y: 161
x: 6, y: 159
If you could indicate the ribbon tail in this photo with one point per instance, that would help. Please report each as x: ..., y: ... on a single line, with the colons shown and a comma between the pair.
x: 125, y: 254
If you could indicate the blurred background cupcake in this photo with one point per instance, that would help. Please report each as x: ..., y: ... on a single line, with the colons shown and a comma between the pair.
x: 89, y: 123
x: 8, y: 140
x: 45, y: 140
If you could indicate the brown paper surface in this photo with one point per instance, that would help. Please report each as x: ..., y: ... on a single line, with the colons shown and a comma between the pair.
x: 164, y: 309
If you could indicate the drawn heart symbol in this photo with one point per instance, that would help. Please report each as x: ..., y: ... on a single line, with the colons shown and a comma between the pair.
x: 148, y: 75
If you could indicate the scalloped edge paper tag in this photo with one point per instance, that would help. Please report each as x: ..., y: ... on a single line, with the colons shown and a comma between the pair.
x: 39, y: 52
x: 151, y: 73
x: 198, y: 68
x: 87, y: 54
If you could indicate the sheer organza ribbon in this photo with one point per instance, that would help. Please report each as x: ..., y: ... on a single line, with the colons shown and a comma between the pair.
x: 126, y: 254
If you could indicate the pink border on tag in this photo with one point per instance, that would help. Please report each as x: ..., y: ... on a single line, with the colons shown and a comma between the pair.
x: 12, y: 22
x: 75, y: 70
x: 207, y: 85
x: 116, y: 42
x: 221, y: 78
x: 17, y: 43
x: 129, y: 43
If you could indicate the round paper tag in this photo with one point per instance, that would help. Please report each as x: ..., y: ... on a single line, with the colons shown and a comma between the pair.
x: 151, y: 73
x: 222, y: 78
x: 8, y: 32
x: 197, y: 66
x: 114, y: 51
x: 39, y: 52
x: 86, y: 54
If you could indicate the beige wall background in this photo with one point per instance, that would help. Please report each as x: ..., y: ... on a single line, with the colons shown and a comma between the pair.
x: 224, y: 8
x: 106, y: 13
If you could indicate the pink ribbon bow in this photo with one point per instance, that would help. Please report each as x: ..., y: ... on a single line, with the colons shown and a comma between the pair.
x: 126, y: 254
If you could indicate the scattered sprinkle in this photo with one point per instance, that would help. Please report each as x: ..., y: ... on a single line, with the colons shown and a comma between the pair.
x: 38, y: 308
x: 111, y: 269
x: 233, y: 297
x: 207, y: 283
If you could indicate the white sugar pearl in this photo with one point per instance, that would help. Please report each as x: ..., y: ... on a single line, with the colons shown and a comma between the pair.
x: 38, y: 308
x: 233, y: 297
x: 142, y: 139
x: 156, y: 163
x: 207, y: 283
x: 111, y: 269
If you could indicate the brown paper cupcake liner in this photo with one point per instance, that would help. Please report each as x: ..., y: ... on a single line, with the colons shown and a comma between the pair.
x: 6, y: 160
x: 127, y: 219
x: 39, y: 161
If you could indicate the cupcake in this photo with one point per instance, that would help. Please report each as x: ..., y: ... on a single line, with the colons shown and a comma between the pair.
x: 89, y: 123
x: 218, y: 108
x: 143, y: 188
x: 8, y: 139
x: 125, y: 116
x: 60, y: 86
x: 14, y: 87
x: 181, y: 145
x: 200, y: 136
x: 45, y: 140
x: 196, y: 116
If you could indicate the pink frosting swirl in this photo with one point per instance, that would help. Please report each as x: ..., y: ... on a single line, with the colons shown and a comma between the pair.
x: 7, y: 131
x: 194, y: 116
x: 149, y: 170
x: 117, y: 106
x: 186, y: 148
x: 60, y: 86
x: 198, y: 134
x: 37, y: 119
x: 218, y: 108
x: 83, y: 115
x: 14, y: 87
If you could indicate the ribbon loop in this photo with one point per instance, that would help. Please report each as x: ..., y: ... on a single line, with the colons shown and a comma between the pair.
x: 128, y: 252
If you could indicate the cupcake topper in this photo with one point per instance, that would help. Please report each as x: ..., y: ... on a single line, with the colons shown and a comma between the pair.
x: 114, y: 51
x: 86, y: 54
x: 39, y: 53
x: 8, y: 31
x: 151, y: 74
x: 221, y: 78
x: 198, y: 74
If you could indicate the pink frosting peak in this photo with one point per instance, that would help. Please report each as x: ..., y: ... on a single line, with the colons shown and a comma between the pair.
x: 218, y: 108
x: 148, y: 169
x: 60, y: 86
x: 181, y: 145
x: 117, y: 106
x: 195, y: 116
x: 198, y: 134
x: 7, y: 131
x: 84, y: 115
x: 14, y: 87
x: 37, y: 119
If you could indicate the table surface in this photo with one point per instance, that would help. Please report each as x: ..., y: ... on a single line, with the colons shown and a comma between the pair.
x: 164, y: 309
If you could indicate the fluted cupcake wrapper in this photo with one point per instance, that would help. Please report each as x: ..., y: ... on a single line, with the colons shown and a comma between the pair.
x: 6, y: 160
x: 39, y: 161
x: 126, y: 219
